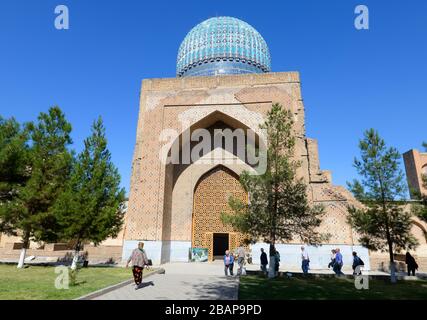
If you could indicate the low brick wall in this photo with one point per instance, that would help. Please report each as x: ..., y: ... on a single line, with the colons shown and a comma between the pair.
x: 381, y: 263
x: 52, y: 253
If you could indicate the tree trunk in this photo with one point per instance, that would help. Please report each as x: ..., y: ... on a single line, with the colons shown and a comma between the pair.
x: 393, y: 278
x: 75, y: 260
x: 272, y: 262
x: 76, y: 255
x: 25, y: 242
x: 22, y: 258
x: 388, y: 236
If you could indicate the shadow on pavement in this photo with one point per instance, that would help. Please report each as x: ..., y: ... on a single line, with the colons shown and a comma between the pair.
x: 217, y: 288
x: 145, y: 284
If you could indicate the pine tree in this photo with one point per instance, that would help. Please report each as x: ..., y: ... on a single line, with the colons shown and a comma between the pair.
x: 383, y: 224
x: 49, y: 164
x: 14, y: 172
x: 89, y: 209
x: 278, y: 209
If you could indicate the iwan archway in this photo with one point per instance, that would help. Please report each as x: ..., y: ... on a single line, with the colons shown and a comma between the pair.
x: 211, y: 196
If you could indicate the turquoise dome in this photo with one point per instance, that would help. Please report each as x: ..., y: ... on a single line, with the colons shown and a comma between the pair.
x: 222, y: 45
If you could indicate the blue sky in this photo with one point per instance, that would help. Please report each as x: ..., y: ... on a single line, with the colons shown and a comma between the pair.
x: 351, y: 80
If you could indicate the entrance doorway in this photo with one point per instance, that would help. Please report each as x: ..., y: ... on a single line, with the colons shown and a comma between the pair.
x: 211, y: 195
x: 220, y: 244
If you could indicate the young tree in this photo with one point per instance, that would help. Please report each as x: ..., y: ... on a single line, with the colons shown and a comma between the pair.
x: 49, y: 164
x: 14, y: 172
x: 278, y: 209
x: 89, y: 209
x: 383, y: 224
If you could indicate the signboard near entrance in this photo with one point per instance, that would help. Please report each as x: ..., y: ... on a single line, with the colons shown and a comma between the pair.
x: 199, y: 254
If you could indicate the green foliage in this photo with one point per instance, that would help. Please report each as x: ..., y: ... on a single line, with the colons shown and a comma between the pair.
x: 373, y: 225
x: 379, y: 169
x: 382, y: 224
x: 278, y: 209
x: 89, y: 208
x: 358, y: 190
x: 48, y: 163
x: 14, y: 170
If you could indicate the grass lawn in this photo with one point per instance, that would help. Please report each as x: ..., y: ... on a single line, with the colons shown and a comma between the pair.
x: 259, y: 288
x: 38, y: 283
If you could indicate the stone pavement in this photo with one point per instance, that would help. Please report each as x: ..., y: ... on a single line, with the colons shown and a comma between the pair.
x: 182, y: 281
x: 195, y: 281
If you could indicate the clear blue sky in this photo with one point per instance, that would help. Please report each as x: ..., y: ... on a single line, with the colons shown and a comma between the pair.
x: 351, y: 80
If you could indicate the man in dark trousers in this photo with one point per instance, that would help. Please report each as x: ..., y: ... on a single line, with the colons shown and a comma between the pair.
x: 412, y: 264
x: 264, y: 261
x: 357, y: 264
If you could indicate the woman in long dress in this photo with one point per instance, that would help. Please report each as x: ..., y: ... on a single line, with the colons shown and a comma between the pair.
x: 139, y: 260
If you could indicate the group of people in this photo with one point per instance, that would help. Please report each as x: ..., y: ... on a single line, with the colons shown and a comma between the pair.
x: 337, y: 262
x: 229, y: 259
x: 264, y: 261
x: 139, y: 260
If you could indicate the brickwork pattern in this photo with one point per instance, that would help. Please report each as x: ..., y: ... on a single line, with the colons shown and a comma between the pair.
x: 210, y: 200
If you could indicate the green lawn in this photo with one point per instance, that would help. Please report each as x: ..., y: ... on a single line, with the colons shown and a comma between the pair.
x: 258, y: 288
x: 38, y: 283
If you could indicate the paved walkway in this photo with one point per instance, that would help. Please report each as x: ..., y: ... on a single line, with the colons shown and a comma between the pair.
x: 194, y: 281
x: 181, y: 281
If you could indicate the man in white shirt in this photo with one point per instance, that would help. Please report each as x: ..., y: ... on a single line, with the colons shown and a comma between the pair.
x: 305, y: 260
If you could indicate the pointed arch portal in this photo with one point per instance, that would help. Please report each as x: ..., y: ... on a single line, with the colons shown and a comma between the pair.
x: 211, y: 196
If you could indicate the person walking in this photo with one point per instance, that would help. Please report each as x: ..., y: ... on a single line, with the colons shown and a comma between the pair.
x: 332, y: 263
x: 228, y: 263
x: 411, y: 263
x: 357, y: 263
x: 240, y: 259
x: 338, y: 263
x: 264, y: 261
x: 305, y: 260
x: 277, y: 262
x: 139, y: 260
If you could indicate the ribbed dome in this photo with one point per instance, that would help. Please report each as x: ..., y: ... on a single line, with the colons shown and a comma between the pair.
x: 222, y: 45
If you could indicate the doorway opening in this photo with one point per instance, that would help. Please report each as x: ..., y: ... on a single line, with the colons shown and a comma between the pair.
x: 220, y: 244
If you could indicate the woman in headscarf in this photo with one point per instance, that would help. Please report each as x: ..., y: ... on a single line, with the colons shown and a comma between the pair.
x: 139, y: 260
x: 412, y: 264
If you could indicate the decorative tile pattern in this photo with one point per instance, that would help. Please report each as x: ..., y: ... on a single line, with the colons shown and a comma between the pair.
x: 210, y: 200
x: 222, y: 45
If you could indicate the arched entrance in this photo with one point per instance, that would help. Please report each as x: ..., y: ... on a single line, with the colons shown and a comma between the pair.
x: 211, y: 196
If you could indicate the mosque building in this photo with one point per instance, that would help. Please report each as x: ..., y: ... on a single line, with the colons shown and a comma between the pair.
x: 223, y: 81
